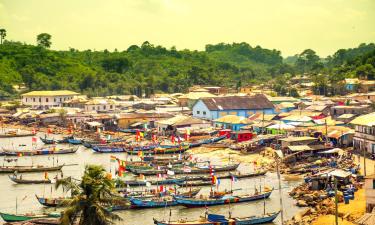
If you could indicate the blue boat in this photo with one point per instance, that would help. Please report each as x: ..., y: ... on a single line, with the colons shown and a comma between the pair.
x: 207, y: 141
x: 107, y: 149
x: 74, y: 141
x: 193, y: 202
x: 214, y: 219
x: 148, y: 203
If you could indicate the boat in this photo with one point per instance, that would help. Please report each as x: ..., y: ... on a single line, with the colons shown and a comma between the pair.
x: 194, y: 202
x: 196, y: 170
x: 48, y: 141
x: 130, y: 131
x: 23, y: 181
x: 50, y: 202
x: 246, y: 175
x: 74, y: 141
x: 214, y: 219
x: 207, y: 141
x: 107, y: 149
x: 158, y: 150
x: 194, y: 183
x: 30, y: 169
x: 42, y: 151
x: 24, y: 217
x: 11, y: 134
x: 65, y: 139
x: 152, y: 203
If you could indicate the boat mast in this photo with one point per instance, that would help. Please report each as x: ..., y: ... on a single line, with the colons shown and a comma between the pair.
x: 280, y: 192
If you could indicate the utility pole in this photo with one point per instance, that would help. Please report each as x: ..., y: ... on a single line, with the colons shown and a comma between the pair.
x: 364, y: 158
x: 336, y: 201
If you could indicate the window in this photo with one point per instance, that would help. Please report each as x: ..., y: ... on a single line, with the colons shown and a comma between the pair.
x: 204, y: 112
x: 104, y: 107
x: 111, y: 106
x: 60, y: 99
x: 46, y: 99
x: 40, y: 99
x: 54, y: 99
x: 26, y: 99
x: 198, y: 112
x: 373, y: 184
x: 93, y: 108
x: 33, y: 99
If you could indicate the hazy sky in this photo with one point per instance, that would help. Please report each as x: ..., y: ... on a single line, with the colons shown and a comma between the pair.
x: 288, y: 25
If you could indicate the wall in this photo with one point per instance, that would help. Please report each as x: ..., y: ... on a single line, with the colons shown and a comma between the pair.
x: 44, y: 102
x: 370, y: 194
x: 201, y: 107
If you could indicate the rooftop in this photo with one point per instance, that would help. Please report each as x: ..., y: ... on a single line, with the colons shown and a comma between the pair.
x: 236, y: 102
x: 50, y: 93
x: 365, y: 120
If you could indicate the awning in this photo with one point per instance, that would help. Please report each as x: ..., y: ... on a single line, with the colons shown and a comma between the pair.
x: 94, y: 124
x: 299, y: 148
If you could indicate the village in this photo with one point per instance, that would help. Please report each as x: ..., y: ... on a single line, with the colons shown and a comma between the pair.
x: 326, y: 145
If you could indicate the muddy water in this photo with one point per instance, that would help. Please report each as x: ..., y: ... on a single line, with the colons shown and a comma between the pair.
x: 25, y: 194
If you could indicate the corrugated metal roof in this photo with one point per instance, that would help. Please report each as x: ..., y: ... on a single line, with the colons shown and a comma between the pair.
x: 50, y: 93
x: 236, y: 102
x: 365, y: 120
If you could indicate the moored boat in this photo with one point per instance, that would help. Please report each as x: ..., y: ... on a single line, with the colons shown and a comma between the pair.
x: 152, y: 203
x: 50, y: 202
x: 24, y: 181
x: 74, y: 141
x: 30, y: 169
x: 24, y: 217
x: 42, y: 151
x: 213, y: 219
x: 193, y: 202
x: 48, y: 141
x: 107, y: 149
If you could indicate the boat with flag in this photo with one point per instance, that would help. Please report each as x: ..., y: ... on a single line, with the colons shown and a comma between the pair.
x: 42, y: 151
x: 215, y: 219
x: 20, y: 180
x: 207, y: 141
x: 107, y: 149
x: 29, y: 169
x: 160, y: 150
x: 194, y: 202
x: 152, y: 203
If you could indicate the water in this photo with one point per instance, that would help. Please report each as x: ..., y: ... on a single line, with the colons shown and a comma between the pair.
x: 27, y: 202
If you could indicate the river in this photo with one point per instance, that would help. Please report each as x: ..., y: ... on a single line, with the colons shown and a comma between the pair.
x: 27, y: 202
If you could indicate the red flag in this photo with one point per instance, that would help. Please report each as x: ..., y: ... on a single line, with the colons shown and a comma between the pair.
x: 33, y: 131
x: 34, y: 139
x: 49, y: 131
x: 161, y: 189
x: 172, y: 139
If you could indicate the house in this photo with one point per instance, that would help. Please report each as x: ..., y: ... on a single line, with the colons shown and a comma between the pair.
x: 286, y: 106
x: 100, y: 105
x: 351, y: 84
x: 362, y: 96
x: 370, y: 193
x: 292, y: 141
x: 127, y: 119
x: 366, y: 86
x: 246, y: 89
x: 214, y: 108
x: 278, y: 100
x: 364, y: 136
x: 240, y: 136
x: 180, y: 121
x: 339, y: 110
x: 191, y: 98
x: 232, y: 122
x: 211, y: 89
x: 47, y: 99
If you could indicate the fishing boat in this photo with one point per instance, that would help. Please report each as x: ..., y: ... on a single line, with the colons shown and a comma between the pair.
x: 29, y: 169
x: 50, y: 202
x: 152, y: 203
x: 74, y: 141
x: 65, y: 139
x: 196, y: 170
x: 130, y: 131
x: 214, y: 219
x: 193, y: 202
x: 194, y: 183
x: 207, y: 141
x: 48, y: 141
x: 247, y: 175
x: 17, y: 180
x: 15, y: 133
x: 107, y: 149
x: 24, y: 217
x: 159, y: 150
x: 42, y: 151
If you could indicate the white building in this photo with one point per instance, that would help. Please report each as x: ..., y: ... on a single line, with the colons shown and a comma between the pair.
x: 100, y: 105
x: 364, y: 136
x: 370, y: 192
x: 47, y: 99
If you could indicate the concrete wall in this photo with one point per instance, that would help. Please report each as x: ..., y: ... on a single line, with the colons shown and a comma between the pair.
x: 370, y: 194
x: 44, y: 102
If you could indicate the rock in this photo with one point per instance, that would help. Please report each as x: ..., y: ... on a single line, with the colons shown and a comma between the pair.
x: 301, y: 203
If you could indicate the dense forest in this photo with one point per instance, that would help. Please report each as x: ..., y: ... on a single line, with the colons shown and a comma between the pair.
x: 148, y: 69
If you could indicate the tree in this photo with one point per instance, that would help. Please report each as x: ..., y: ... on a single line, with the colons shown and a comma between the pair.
x: 307, y: 61
x: 3, y: 34
x: 44, y: 40
x: 91, y: 198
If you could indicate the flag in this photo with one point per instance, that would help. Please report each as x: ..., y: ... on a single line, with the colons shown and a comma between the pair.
x: 213, y: 179
x: 159, y: 175
x: 153, y: 137
x: 217, y: 182
x: 179, y: 156
x: 19, y: 154
x: 46, y: 175
x: 33, y: 131
x: 34, y: 139
x: 121, y: 163
x: 172, y: 139
x: 140, y: 154
x: 211, y: 170
x: 233, y: 178
x: 141, y: 176
x: 170, y: 172
x: 113, y: 158
x: 49, y: 131
x: 161, y: 188
x: 103, y: 141
x: 121, y: 171
x: 98, y: 130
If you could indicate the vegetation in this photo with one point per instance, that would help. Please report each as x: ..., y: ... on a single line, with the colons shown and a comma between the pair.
x: 91, y: 198
x: 146, y: 69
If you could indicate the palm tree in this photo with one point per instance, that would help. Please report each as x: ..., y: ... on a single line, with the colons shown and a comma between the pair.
x: 91, y: 198
x: 3, y: 34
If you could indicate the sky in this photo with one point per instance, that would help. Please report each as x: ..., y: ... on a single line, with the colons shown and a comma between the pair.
x: 287, y: 25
